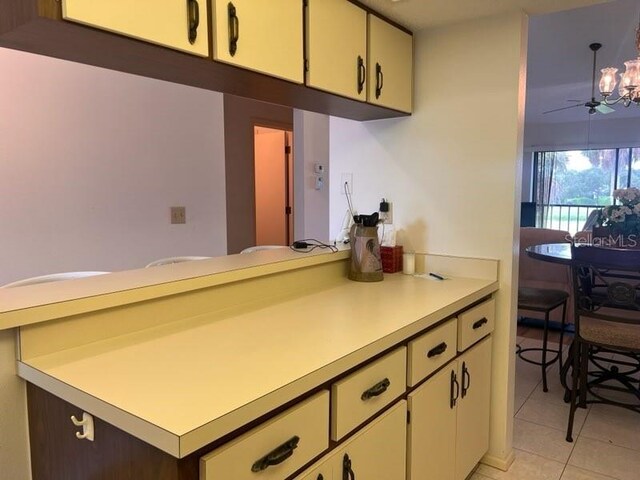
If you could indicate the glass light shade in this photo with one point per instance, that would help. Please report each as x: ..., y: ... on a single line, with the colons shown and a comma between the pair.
x: 632, y: 73
x: 608, y: 81
x: 625, y: 84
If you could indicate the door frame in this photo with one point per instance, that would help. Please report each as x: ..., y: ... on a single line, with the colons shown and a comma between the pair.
x: 289, y: 169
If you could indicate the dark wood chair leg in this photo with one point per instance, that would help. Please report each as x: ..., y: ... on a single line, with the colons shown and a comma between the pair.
x: 584, y: 374
x: 574, y: 389
x: 562, y: 326
x: 545, y: 336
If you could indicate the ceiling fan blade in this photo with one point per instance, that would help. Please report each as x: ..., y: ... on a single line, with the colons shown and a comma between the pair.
x: 602, y: 108
x: 563, y: 108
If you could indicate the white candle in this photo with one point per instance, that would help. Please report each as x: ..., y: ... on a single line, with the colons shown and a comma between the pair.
x: 409, y: 263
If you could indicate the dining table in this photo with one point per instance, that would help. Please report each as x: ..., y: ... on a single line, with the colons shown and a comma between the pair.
x: 560, y: 253
x: 551, y: 252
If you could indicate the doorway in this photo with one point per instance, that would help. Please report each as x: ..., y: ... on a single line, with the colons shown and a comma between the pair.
x: 273, y: 164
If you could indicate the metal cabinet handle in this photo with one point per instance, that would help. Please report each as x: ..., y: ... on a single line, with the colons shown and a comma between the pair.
x: 479, y: 323
x: 193, y: 19
x: 379, y: 80
x: 362, y: 74
x: 454, y: 392
x: 234, y: 29
x: 378, y: 389
x: 466, y: 380
x: 437, y: 350
x: 276, y: 456
x: 347, y: 471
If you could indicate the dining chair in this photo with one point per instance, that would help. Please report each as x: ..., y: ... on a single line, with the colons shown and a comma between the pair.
x: 543, y: 288
x: 606, y: 283
x: 52, y: 277
x: 170, y: 260
x: 257, y: 248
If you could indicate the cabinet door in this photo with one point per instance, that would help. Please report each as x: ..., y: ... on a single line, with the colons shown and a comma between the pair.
x: 432, y: 428
x: 390, y: 67
x: 337, y: 47
x: 179, y: 24
x: 473, y: 407
x: 261, y: 35
x: 378, y: 452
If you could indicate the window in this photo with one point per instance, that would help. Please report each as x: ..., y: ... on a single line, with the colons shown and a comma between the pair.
x: 570, y: 185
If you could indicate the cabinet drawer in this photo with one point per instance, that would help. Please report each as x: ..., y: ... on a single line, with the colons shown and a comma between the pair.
x: 475, y: 323
x: 430, y: 351
x: 365, y: 392
x: 287, y: 442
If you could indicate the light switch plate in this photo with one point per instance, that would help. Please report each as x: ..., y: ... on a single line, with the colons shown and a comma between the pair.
x: 178, y: 215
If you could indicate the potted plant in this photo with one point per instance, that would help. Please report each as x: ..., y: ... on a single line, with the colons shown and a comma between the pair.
x: 619, y: 225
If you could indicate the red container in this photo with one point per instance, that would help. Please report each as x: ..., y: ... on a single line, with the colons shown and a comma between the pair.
x: 391, y: 259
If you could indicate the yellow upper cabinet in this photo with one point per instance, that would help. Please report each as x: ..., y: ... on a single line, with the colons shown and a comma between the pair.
x: 390, y: 67
x: 261, y: 35
x: 337, y: 47
x: 179, y: 24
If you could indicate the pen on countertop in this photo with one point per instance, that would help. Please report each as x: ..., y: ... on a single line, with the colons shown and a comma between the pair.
x: 435, y: 275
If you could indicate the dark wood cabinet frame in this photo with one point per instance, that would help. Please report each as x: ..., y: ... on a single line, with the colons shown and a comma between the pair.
x: 36, y: 26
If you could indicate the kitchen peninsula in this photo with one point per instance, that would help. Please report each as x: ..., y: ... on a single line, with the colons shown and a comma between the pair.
x: 188, y: 368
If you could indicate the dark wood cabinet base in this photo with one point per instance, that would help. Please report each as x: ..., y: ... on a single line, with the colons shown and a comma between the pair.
x: 56, y: 453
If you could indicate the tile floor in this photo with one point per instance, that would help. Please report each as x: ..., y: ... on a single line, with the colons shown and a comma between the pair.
x: 606, y: 438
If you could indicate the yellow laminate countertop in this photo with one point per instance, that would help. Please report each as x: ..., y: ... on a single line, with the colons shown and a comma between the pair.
x: 48, y: 301
x: 183, y: 385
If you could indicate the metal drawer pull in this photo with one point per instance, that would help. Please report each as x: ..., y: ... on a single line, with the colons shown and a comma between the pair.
x: 347, y: 471
x: 437, y: 350
x: 480, y: 323
x: 377, y: 389
x: 193, y: 19
x: 362, y: 74
x: 455, y: 387
x: 234, y: 29
x: 379, y: 80
x: 466, y: 380
x: 276, y: 456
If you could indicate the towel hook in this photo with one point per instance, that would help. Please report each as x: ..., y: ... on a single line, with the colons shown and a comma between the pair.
x: 87, y: 426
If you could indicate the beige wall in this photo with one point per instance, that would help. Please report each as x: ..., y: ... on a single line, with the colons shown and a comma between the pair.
x: 452, y: 170
x: 311, y: 146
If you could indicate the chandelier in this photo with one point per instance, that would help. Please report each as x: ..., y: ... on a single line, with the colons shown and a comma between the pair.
x: 629, y: 88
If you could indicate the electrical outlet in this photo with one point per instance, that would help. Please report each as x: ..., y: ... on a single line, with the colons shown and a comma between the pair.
x: 178, y: 215
x: 387, y: 217
x: 346, y: 183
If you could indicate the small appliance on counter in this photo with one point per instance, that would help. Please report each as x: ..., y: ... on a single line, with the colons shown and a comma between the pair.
x: 366, y: 264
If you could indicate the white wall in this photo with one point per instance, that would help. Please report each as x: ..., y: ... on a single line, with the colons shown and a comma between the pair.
x: 602, y: 133
x: 452, y: 170
x: 310, y: 146
x: 90, y: 162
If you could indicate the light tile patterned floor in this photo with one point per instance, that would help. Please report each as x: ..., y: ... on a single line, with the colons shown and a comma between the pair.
x: 606, y: 438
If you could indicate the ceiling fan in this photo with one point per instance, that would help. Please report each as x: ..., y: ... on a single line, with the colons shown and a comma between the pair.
x: 594, y: 106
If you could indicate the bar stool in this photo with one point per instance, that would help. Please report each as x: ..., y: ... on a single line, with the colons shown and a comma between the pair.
x: 52, y: 277
x: 171, y: 260
x: 542, y: 288
x: 545, y: 301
